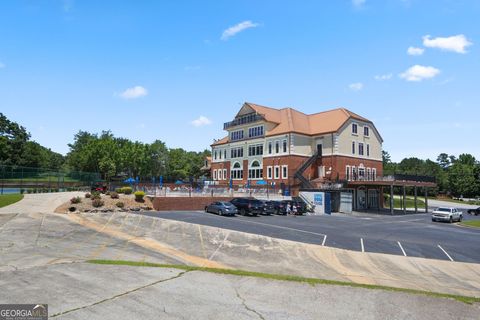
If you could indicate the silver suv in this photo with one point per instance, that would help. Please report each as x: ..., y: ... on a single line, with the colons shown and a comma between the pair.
x: 447, y: 214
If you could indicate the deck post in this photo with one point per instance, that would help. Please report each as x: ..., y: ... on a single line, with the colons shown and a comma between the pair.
x: 391, y: 199
x: 404, y: 200
x: 426, y: 200
x: 416, y: 196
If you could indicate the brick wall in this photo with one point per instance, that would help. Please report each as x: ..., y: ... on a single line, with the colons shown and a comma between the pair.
x: 184, y: 203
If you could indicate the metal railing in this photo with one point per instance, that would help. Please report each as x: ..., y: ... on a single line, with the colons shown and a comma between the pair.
x: 248, y: 118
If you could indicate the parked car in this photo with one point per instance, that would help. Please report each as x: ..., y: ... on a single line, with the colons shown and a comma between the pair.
x: 474, y: 212
x: 447, y: 214
x: 249, y: 206
x: 279, y: 207
x: 222, y: 208
x: 301, y: 205
x: 268, y: 207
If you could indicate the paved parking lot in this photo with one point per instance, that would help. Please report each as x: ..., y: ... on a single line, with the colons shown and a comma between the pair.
x: 412, y: 235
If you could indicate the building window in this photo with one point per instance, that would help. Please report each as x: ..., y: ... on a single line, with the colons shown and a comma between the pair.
x: 366, y: 131
x: 369, y: 174
x: 277, y: 146
x: 354, y: 128
x: 224, y: 174
x: 353, y: 147
x: 255, y: 150
x: 225, y: 154
x: 215, y: 174
x: 361, y: 173
x: 220, y: 155
x: 236, y: 135
x: 285, y: 146
x: 237, y: 172
x: 255, y: 171
x: 277, y: 172
x: 347, y: 173
x: 270, y: 147
x: 215, y: 155
x: 374, y: 174
x: 269, y: 172
x: 255, y: 132
x: 360, y: 149
x: 284, y: 172
x: 354, y: 173
x: 368, y: 150
x: 236, y: 152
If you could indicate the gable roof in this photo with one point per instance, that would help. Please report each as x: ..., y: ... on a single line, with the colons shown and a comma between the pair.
x: 289, y: 120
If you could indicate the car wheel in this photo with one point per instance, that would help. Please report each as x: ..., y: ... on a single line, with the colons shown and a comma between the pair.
x: 242, y: 212
x: 433, y: 220
x: 254, y: 214
x: 278, y: 211
x: 206, y: 209
x: 460, y: 218
x: 220, y: 212
x: 450, y: 220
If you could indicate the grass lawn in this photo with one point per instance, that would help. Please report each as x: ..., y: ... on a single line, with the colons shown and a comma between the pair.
x: 8, y: 199
x: 42, y: 179
x: 471, y: 223
x: 410, y: 202
x: 311, y: 281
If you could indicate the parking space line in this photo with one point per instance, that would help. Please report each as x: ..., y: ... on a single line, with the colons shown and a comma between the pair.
x: 324, y: 239
x: 401, y: 248
x: 281, y: 227
x: 361, y: 242
x: 445, y: 253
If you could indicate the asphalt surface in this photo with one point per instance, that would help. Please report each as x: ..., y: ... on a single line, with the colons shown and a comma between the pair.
x: 412, y: 235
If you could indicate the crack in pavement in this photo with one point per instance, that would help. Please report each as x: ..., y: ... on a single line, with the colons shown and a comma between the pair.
x: 119, y: 295
x: 247, y: 307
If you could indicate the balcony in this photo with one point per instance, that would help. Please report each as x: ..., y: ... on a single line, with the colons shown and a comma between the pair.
x: 248, y: 118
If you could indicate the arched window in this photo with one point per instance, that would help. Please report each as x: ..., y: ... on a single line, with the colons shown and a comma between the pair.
x: 256, y: 171
x: 236, y: 173
x: 237, y: 165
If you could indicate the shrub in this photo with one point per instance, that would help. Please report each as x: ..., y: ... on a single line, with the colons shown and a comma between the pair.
x: 22, y: 191
x: 139, y: 195
x: 96, y: 195
x: 97, y: 203
x: 119, y: 190
x: 75, y: 200
x: 127, y: 190
x: 120, y: 204
x: 114, y: 195
x: 88, y: 195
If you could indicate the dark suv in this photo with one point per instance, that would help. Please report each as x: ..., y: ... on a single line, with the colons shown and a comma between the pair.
x: 269, y: 207
x: 246, y: 206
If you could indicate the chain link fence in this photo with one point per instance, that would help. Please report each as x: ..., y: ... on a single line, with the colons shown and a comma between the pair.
x: 17, y: 179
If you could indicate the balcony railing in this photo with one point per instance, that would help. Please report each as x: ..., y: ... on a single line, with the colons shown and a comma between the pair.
x: 248, y: 118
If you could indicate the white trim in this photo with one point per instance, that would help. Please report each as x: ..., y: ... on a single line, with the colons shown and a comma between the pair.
x: 269, y: 172
x: 214, y: 174
x: 284, y: 167
x: 224, y: 174
x: 348, y: 173
x: 275, y: 176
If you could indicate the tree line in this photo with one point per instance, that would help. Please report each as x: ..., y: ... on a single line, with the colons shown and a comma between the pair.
x: 102, y: 153
x: 455, y: 176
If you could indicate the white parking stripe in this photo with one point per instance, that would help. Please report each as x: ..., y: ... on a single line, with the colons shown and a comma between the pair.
x: 445, y: 253
x: 324, y: 239
x: 361, y: 242
x: 279, y: 227
x: 401, y: 248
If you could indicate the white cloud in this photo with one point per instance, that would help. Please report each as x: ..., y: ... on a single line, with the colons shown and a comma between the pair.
x: 357, y: 86
x: 383, y: 77
x: 415, y: 51
x: 419, y: 73
x: 358, y: 3
x: 230, y: 32
x: 201, y: 121
x: 134, y: 92
x: 456, y: 43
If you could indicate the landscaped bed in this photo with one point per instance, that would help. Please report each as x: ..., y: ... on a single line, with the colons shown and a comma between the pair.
x: 106, y: 203
x: 8, y: 199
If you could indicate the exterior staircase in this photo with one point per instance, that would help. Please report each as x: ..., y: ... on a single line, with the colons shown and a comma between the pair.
x: 305, y: 183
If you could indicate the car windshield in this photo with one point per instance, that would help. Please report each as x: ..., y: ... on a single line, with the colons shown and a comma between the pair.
x: 443, y: 209
x: 225, y: 204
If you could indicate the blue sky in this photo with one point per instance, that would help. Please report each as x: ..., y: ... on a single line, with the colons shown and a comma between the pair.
x: 148, y: 69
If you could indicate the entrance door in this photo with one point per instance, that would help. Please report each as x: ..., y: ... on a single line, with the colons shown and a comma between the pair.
x: 319, y: 149
x: 373, y: 199
x: 328, y: 204
x: 361, y: 199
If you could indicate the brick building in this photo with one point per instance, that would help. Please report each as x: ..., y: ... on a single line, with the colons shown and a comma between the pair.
x: 288, y: 148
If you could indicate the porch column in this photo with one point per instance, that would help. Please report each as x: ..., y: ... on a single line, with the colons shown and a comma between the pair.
x: 426, y: 200
x: 416, y: 205
x: 391, y: 199
x: 404, y: 200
